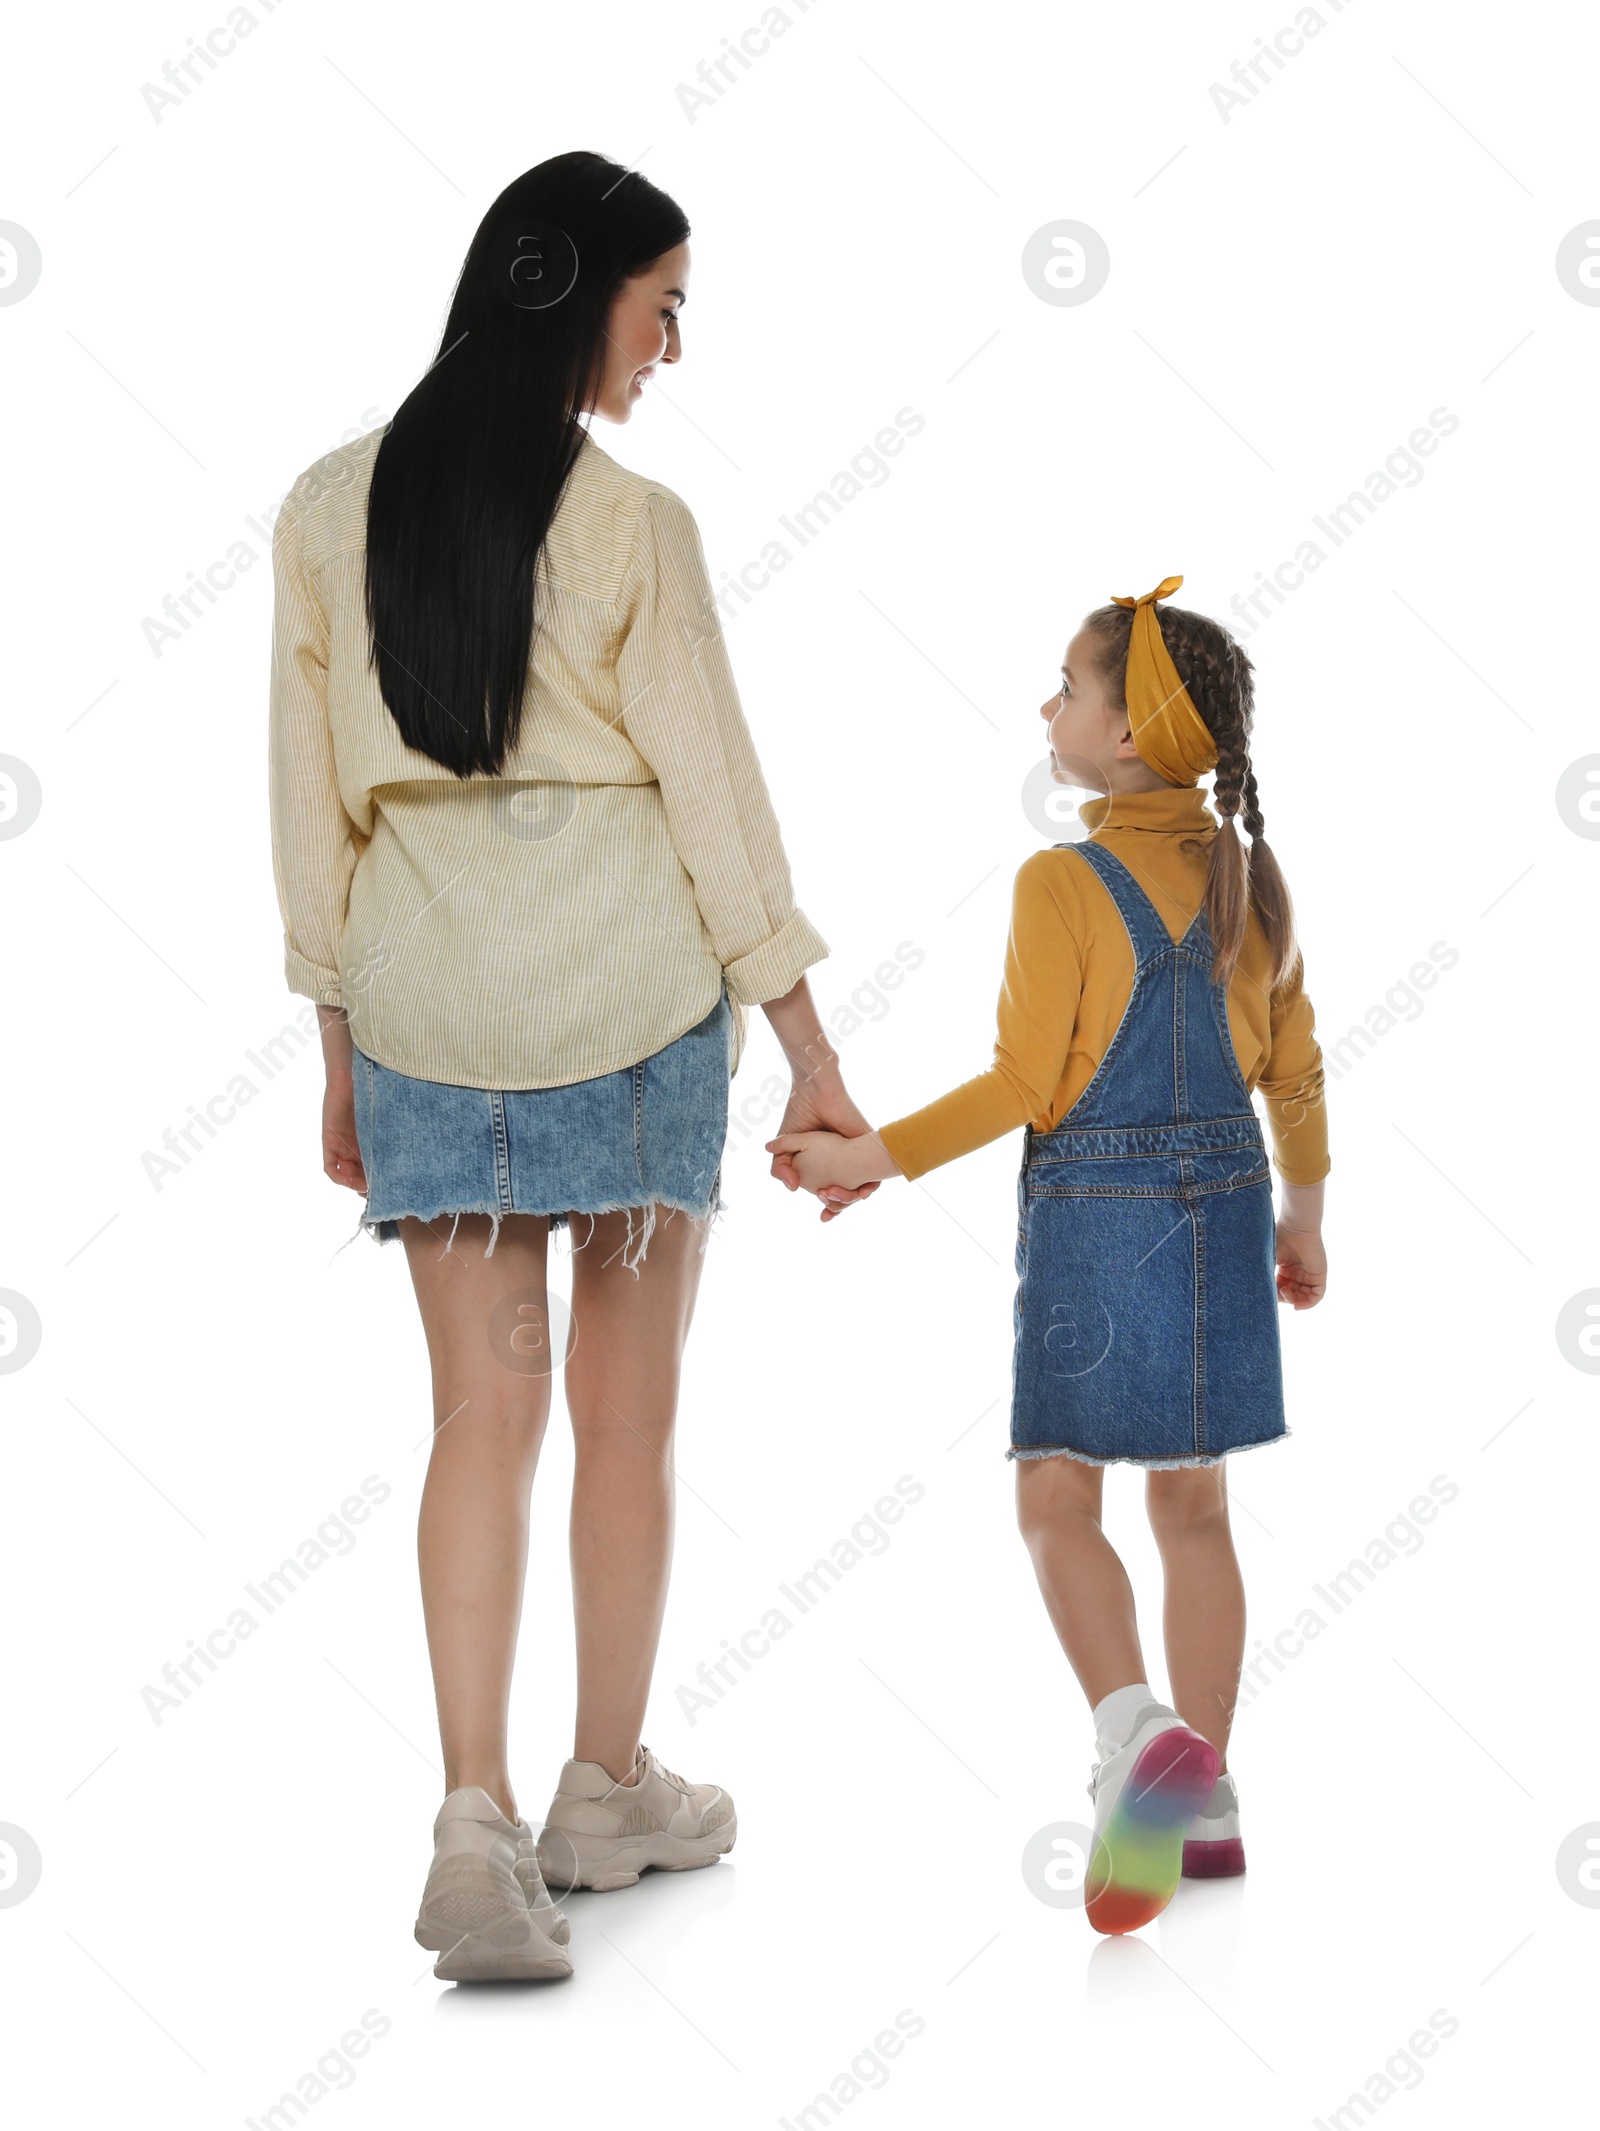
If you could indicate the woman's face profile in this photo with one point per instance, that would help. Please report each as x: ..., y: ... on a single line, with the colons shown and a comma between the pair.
x: 642, y: 331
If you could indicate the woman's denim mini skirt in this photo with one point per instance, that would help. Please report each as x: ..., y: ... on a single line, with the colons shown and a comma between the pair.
x: 646, y: 1136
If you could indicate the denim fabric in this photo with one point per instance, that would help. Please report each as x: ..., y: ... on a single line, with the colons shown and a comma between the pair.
x: 1146, y: 1314
x: 647, y: 1135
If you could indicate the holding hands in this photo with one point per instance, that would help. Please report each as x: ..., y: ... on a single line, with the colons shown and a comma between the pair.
x: 840, y: 1168
x: 824, y: 1144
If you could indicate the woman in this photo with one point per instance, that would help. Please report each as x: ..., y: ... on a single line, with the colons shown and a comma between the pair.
x: 529, y: 871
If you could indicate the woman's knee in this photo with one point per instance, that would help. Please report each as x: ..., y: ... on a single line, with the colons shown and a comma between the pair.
x: 507, y: 1421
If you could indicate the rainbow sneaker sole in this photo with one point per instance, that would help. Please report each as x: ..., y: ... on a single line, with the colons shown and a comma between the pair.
x: 1139, y: 1857
x: 1213, y: 1860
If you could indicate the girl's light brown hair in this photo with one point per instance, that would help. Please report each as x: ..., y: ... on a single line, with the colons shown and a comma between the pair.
x: 1221, y: 684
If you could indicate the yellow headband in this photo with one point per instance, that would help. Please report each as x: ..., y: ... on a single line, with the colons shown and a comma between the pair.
x: 1168, y: 731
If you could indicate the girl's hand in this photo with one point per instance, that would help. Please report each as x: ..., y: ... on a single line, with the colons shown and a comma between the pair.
x: 341, y: 1151
x: 1302, y: 1267
x: 818, y: 1103
x: 828, y: 1162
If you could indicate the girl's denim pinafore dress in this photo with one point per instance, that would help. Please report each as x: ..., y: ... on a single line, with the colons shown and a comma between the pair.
x: 1146, y: 1315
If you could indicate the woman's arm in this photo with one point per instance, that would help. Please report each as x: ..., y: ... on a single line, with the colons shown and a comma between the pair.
x: 817, y: 1099
x: 680, y: 709
x: 313, y: 838
x: 341, y: 1150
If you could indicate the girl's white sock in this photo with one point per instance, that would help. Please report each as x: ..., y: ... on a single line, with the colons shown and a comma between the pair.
x: 1114, y: 1717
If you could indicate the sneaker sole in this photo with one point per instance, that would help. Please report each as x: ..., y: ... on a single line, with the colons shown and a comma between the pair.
x: 1138, y: 1860
x: 1213, y: 1860
x: 513, y: 1952
x: 603, y: 1863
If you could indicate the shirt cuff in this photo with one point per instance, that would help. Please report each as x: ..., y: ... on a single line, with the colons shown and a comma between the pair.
x: 1303, y: 1170
x: 777, y: 965
x: 311, y: 981
x: 906, y: 1149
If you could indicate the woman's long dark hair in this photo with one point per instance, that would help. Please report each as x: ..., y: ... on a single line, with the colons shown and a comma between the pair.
x: 471, y: 470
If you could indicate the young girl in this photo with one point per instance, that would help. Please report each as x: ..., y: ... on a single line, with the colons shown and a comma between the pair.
x: 1152, y: 981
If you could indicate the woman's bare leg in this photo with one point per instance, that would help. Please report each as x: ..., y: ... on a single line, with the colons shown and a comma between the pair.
x: 1081, y: 1578
x: 622, y: 1394
x: 1204, y: 1605
x: 488, y: 1332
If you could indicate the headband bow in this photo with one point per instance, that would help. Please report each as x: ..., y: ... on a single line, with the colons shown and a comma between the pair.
x: 1168, y: 731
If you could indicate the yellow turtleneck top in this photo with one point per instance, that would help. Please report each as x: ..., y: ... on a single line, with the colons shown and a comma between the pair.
x: 1069, y: 976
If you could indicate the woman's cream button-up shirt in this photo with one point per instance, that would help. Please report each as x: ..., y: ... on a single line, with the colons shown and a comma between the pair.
x: 581, y: 910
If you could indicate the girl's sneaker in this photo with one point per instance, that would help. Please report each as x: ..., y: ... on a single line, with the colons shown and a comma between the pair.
x: 1212, y: 1848
x: 477, y: 1912
x: 602, y: 1834
x: 1145, y: 1795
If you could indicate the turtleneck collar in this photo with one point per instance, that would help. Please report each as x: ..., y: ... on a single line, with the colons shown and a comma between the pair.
x: 1174, y: 810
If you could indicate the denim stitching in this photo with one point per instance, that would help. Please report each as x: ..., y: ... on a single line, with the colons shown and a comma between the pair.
x: 1024, y: 1193
x: 1180, y: 1064
x: 1219, y: 993
x: 1197, y: 1222
x: 502, y: 1152
x: 1183, y: 1192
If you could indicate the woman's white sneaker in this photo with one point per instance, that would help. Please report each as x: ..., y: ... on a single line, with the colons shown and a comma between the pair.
x: 479, y: 1911
x: 1212, y: 1847
x: 602, y: 1834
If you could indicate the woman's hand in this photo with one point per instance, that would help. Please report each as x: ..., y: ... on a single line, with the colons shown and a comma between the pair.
x: 341, y: 1151
x: 818, y: 1103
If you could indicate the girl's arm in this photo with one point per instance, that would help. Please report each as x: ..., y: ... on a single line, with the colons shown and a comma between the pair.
x: 1037, y: 1010
x: 1292, y: 1083
x: 1302, y: 1261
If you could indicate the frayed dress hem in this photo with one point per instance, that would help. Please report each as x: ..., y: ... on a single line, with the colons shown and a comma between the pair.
x: 1082, y: 1457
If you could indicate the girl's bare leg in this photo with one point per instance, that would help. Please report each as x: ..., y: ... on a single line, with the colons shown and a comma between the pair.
x: 1204, y: 1606
x: 1081, y: 1578
x: 488, y: 1332
x: 622, y: 1394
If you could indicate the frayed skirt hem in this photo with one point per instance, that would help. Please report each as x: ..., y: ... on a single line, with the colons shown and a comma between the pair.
x: 387, y: 1229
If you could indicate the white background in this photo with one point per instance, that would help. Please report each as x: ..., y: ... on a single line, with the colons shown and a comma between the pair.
x: 228, y: 291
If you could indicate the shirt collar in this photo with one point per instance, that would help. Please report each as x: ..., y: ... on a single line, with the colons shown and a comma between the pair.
x: 1173, y: 810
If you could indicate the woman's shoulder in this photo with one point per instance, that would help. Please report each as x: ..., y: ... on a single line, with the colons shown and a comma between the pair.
x: 328, y: 501
x: 607, y: 508
x: 596, y: 474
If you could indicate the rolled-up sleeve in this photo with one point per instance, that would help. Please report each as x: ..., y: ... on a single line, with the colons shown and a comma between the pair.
x: 1292, y: 1083
x: 314, y: 843
x: 680, y: 709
